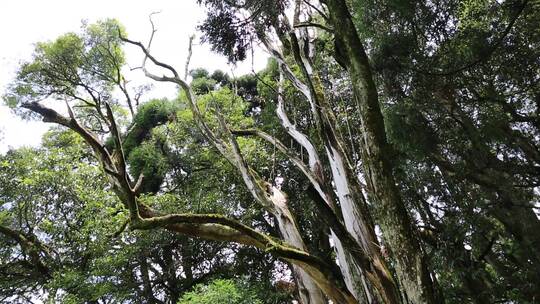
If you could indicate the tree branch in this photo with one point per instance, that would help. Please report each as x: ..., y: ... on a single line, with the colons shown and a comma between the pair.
x: 30, y: 246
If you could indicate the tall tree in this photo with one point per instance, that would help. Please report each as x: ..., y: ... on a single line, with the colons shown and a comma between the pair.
x: 414, y: 119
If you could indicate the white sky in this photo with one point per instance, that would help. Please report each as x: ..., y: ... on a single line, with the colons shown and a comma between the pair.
x: 25, y: 22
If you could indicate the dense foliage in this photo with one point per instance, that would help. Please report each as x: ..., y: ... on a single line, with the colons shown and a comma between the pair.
x: 388, y: 153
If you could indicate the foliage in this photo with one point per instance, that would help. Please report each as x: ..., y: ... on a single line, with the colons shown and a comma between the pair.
x: 220, y: 291
x: 229, y: 34
x: 58, y: 196
x: 457, y: 84
x: 454, y: 79
x: 78, y: 66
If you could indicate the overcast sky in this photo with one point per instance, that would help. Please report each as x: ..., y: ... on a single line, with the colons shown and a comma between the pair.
x: 25, y: 22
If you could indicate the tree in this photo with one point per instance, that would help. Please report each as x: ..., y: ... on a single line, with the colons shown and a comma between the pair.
x: 466, y: 130
x: 110, y: 268
x: 220, y: 291
x: 416, y: 119
x: 59, y: 226
x: 405, y: 42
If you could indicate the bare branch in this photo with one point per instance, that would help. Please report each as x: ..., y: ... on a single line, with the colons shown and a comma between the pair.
x: 313, y: 24
x: 283, y: 149
x: 323, y: 14
x: 50, y: 115
x: 188, y: 59
x: 156, y: 62
x: 285, y: 68
x: 138, y: 184
x: 118, y: 142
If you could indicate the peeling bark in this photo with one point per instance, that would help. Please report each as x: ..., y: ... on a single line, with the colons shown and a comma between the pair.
x: 356, y: 216
x: 396, y: 225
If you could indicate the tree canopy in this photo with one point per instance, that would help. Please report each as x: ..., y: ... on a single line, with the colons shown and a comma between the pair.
x: 388, y: 153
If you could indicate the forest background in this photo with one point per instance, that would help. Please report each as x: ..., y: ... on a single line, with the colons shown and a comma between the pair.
x: 375, y: 152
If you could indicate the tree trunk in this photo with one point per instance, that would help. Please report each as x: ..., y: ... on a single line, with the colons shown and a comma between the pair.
x: 352, y: 273
x: 307, y: 288
x: 392, y: 215
x: 357, y: 220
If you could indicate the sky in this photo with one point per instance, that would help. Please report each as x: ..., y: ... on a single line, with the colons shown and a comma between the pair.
x: 25, y: 22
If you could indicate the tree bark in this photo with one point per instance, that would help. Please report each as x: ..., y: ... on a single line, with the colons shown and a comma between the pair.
x: 357, y: 220
x: 411, y: 265
x: 307, y: 288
